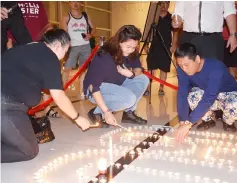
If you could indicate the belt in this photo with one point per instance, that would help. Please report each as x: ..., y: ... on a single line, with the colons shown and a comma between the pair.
x: 202, y: 33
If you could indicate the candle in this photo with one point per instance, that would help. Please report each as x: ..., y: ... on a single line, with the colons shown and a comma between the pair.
x: 102, y: 166
x: 94, y: 180
x: 117, y: 165
x: 197, y: 178
x: 187, y: 176
x: 216, y: 180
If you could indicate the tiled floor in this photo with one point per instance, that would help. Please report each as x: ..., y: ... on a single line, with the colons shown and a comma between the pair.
x: 69, y: 138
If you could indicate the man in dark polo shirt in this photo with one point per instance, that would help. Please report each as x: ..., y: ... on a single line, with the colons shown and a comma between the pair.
x: 26, y: 70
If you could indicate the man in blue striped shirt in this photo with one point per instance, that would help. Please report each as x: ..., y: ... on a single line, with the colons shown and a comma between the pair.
x: 205, y: 85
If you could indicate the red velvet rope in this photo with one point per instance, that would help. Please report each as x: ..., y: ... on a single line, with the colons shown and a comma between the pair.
x: 160, y: 81
x: 32, y: 111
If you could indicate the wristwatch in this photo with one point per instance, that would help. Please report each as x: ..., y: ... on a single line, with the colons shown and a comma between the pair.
x: 234, y: 34
x: 189, y: 124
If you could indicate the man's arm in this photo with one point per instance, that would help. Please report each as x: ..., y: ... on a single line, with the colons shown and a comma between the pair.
x: 64, y: 22
x: 230, y: 16
x: 174, y: 41
x: 209, y: 97
x: 63, y: 102
x: 182, y: 98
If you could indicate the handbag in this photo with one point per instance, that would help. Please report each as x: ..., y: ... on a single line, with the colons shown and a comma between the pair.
x: 42, y: 129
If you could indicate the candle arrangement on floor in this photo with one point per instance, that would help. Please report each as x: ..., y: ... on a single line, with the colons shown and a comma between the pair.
x: 201, y: 149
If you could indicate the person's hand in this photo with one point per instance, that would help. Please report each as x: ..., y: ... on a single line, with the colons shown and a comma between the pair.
x: 110, y: 119
x: 232, y: 43
x: 172, y: 49
x: 176, y: 21
x: 88, y: 37
x: 4, y: 13
x: 83, y: 123
x: 181, y: 132
x: 124, y: 71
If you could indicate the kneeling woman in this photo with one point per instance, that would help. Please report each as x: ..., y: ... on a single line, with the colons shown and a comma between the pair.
x: 114, y: 80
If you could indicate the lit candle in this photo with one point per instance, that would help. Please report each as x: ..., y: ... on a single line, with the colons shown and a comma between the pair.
x: 216, y: 180
x: 117, y: 165
x: 197, y: 178
x: 94, y: 180
x: 125, y: 166
x: 177, y: 175
x: 102, y: 166
x: 233, y: 151
x: 187, y: 176
x: 206, y: 179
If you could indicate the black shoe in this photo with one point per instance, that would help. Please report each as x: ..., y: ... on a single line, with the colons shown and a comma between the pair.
x: 147, y: 93
x: 229, y: 128
x: 205, y: 125
x: 131, y: 117
x: 218, y: 114
x: 97, y: 119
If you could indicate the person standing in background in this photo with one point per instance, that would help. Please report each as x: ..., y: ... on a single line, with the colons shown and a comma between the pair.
x: 158, y: 58
x: 36, y: 21
x: 230, y: 59
x: 12, y: 20
x: 203, y: 25
x: 80, y: 28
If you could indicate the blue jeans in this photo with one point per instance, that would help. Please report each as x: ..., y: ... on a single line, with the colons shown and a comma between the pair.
x: 124, y: 97
x: 18, y: 139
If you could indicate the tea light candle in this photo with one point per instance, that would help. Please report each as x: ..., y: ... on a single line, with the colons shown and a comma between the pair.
x: 117, y: 165
x: 197, y: 178
x: 177, y: 175
x: 102, y: 166
x: 233, y: 151
x: 187, y: 177
x: 206, y: 179
x: 216, y: 180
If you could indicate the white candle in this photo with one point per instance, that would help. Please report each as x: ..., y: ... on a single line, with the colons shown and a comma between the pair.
x: 102, y: 166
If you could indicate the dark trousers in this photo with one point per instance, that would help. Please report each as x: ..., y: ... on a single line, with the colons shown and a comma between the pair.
x: 208, y: 46
x: 15, y: 23
x: 18, y: 139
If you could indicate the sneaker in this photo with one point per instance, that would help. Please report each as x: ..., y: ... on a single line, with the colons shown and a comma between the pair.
x: 97, y: 118
x: 147, y: 93
x: 161, y: 92
x: 229, y: 128
x: 205, y: 125
x: 131, y: 117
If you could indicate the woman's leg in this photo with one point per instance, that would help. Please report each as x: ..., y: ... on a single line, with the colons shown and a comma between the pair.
x: 138, y: 86
x: 116, y: 98
x: 18, y: 139
x: 163, y: 77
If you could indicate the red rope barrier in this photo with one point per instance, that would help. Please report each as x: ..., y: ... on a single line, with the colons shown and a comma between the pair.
x: 160, y: 81
x: 83, y: 67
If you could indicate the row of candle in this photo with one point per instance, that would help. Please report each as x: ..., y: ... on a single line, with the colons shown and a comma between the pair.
x: 169, y: 174
x: 214, y: 135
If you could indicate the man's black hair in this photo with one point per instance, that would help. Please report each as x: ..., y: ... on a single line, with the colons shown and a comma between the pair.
x: 186, y: 50
x: 54, y: 35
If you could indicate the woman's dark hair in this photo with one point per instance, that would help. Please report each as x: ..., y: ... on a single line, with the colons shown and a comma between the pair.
x: 186, y: 50
x: 124, y: 34
x: 53, y: 35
